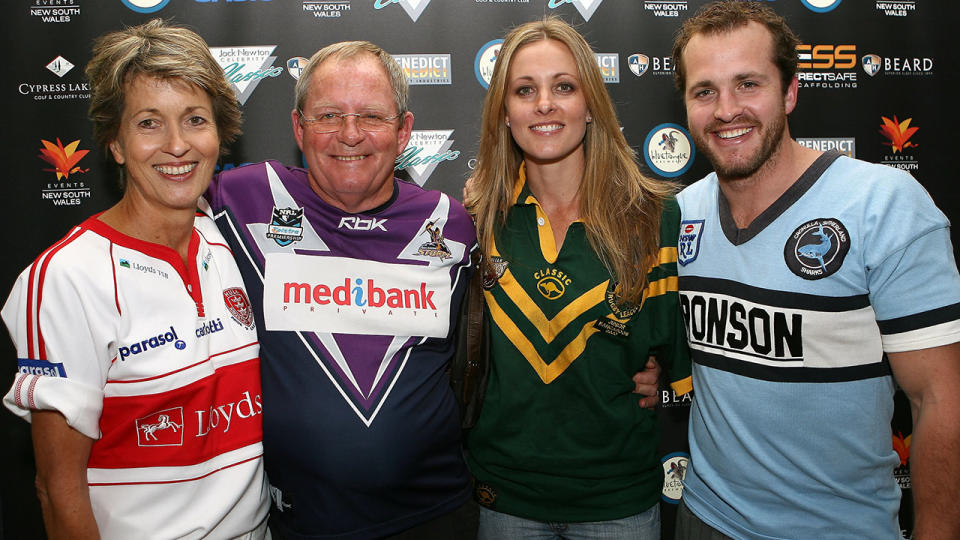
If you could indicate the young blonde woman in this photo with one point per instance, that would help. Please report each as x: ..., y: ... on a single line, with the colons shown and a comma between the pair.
x: 580, y: 285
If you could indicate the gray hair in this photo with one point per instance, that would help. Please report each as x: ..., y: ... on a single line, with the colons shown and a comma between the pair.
x: 350, y: 49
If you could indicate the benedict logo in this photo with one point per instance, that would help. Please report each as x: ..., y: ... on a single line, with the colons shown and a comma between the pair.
x: 609, y: 66
x: 669, y: 150
x: 898, y: 135
x: 326, y: 9
x: 155, y: 342
x: 413, y: 7
x: 485, y: 60
x: 897, y: 9
x: 824, y: 61
x: 162, y: 428
x: 585, y: 7
x: 245, y: 67
x: 551, y: 283
x: 674, y: 471
x: 638, y: 63
x: 425, y: 68
x: 55, y: 12
x: 817, y: 248
x: 664, y: 9
x: 145, y: 6
x: 846, y: 145
x: 424, y: 152
x: 359, y: 293
x: 296, y: 65
x: 821, y: 6
x: 40, y: 367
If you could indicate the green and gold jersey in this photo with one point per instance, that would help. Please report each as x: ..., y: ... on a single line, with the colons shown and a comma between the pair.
x: 560, y: 436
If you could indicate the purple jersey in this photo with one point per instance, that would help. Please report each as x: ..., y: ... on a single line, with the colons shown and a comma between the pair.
x: 357, y: 314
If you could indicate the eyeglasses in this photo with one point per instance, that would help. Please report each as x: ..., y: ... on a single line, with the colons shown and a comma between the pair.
x: 333, y: 122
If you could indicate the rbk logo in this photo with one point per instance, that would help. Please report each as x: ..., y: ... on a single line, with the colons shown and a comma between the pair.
x: 413, y: 7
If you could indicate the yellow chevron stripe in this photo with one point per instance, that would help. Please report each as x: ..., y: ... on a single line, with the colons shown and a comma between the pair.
x: 547, y: 372
x: 549, y: 328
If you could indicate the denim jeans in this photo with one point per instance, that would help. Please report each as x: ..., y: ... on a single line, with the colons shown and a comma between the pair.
x: 500, y: 526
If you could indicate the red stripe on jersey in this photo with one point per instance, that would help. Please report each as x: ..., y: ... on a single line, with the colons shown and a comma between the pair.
x: 35, y: 289
x: 113, y: 270
x: 16, y: 390
x: 184, y: 426
x: 30, y: 391
x: 176, y: 481
x: 160, y: 376
x: 218, y: 244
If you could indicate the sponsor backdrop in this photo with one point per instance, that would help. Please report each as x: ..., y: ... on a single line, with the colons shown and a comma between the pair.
x: 873, y: 76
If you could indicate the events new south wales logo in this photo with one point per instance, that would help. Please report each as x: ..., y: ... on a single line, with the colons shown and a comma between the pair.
x: 902, y: 148
x: 245, y: 67
x: 65, y: 161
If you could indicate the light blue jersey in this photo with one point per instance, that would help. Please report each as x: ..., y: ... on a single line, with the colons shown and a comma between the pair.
x: 788, y: 321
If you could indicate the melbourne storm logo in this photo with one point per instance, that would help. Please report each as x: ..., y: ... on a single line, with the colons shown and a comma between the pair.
x: 436, y: 247
x: 817, y: 248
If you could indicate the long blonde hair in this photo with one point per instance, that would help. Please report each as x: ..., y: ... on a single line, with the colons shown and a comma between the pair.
x: 619, y: 206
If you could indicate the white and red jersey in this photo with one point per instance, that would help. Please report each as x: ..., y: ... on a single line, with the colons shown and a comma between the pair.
x: 159, y: 363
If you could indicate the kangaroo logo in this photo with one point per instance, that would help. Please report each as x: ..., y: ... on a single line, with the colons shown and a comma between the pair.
x: 550, y: 287
x: 817, y: 248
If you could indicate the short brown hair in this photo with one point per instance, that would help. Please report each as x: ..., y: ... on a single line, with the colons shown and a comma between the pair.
x: 727, y: 15
x: 156, y: 49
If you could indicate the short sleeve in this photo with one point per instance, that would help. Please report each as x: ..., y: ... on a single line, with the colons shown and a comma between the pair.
x: 62, y: 364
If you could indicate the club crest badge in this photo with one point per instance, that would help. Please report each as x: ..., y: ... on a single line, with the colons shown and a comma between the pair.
x: 620, y: 309
x: 688, y: 245
x: 436, y: 247
x: 817, y: 248
x: 871, y: 64
x: 239, y: 306
x: 286, y: 226
x: 499, y: 265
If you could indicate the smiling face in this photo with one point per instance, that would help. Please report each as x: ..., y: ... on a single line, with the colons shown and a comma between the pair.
x: 545, y: 106
x: 736, y: 106
x: 352, y: 169
x: 167, y: 142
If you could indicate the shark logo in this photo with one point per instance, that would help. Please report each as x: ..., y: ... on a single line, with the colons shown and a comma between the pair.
x: 246, y: 66
x: 817, y: 248
x: 424, y: 152
x: 585, y: 7
x: 413, y: 7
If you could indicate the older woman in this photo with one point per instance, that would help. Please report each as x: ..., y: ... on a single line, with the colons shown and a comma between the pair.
x: 138, y: 356
x: 580, y: 266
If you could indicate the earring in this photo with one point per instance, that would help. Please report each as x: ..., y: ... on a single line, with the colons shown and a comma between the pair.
x: 508, y: 122
x: 589, y: 119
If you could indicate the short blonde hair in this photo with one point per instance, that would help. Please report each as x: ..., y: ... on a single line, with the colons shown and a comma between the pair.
x: 156, y: 49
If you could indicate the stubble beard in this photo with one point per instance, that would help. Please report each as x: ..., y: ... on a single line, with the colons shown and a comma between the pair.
x: 738, y: 169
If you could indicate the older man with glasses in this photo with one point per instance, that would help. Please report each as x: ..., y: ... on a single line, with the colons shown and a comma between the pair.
x: 356, y: 279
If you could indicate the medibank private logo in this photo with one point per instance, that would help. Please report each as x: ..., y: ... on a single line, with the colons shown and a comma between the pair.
x: 351, y: 296
x: 354, y: 292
